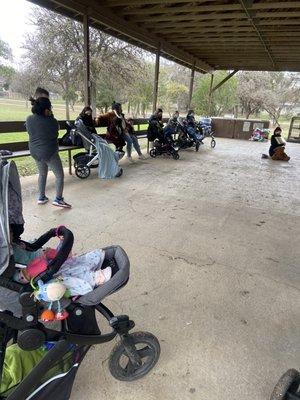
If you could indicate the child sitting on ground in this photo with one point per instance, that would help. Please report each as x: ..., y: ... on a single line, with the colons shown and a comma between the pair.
x: 277, y: 148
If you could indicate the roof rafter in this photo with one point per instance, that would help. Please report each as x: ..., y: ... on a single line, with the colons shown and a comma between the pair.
x: 165, y: 8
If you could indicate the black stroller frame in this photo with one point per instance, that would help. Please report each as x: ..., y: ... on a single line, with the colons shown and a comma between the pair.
x: 19, y: 318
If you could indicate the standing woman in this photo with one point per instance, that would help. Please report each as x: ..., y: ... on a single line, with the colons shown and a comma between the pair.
x: 43, y: 128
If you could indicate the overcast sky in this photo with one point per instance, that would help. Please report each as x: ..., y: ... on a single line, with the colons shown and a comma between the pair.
x: 14, y: 23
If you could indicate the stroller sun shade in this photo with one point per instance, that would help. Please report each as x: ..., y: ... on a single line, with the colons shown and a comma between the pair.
x: 10, y: 208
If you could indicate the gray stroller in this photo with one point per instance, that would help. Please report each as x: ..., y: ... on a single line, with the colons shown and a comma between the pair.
x: 22, y: 333
x: 98, y: 155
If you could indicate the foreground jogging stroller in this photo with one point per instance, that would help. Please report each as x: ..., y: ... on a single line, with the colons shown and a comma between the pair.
x: 288, y: 386
x: 84, y: 161
x: 22, y: 333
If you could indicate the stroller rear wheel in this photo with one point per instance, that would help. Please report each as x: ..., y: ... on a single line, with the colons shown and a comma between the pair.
x: 129, y: 364
x: 288, y: 384
x: 175, y: 155
x: 82, y: 171
x: 197, y: 146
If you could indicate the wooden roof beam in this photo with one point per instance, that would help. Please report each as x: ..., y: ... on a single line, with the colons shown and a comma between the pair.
x: 244, y: 4
x: 194, y: 25
x: 171, y: 9
x: 132, y: 3
x: 212, y: 16
x: 118, y: 26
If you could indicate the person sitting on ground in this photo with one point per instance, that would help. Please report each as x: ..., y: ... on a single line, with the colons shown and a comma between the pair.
x: 116, y: 125
x: 134, y: 139
x: 277, y: 147
x: 191, y: 125
x: 87, y: 118
x: 155, y: 127
x: 43, y: 128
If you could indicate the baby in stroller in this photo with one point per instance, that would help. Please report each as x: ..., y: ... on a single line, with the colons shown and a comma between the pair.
x: 21, y: 326
x: 80, y: 274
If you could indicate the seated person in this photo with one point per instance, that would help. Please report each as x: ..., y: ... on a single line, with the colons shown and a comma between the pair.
x: 87, y: 118
x: 155, y: 127
x: 115, y: 122
x: 170, y: 128
x: 191, y: 125
x: 277, y: 147
x: 134, y: 139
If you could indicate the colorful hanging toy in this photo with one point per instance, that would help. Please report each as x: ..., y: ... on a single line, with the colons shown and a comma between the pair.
x: 51, y: 292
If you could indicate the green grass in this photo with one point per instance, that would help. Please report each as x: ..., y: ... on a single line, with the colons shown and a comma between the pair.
x: 16, y: 110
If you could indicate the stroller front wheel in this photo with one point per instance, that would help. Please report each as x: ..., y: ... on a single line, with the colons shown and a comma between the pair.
x: 128, y: 363
x: 82, y: 171
x: 213, y: 143
x: 288, y: 383
x: 153, y: 153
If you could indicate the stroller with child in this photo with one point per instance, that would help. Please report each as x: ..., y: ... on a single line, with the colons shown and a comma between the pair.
x: 96, y: 150
x: 205, y: 130
x: 164, y: 144
x: 39, y: 362
x: 182, y: 138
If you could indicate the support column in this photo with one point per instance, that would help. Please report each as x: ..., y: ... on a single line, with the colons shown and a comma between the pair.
x: 156, y: 78
x: 210, y: 94
x: 191, y: 87
x: 87, y: 68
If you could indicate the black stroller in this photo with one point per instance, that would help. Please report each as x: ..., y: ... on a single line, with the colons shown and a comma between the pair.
x: 164, y: 144
x: 182, y: 139
x: 52, y: 377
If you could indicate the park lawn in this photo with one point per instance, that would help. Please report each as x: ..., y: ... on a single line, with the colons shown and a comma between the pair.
x: 17, y: 111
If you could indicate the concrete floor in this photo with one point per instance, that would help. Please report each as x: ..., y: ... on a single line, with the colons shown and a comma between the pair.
x: 213, y: 241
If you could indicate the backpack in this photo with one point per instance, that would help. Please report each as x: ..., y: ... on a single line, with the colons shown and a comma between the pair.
x: 65, y: 140
x: 76, y: 138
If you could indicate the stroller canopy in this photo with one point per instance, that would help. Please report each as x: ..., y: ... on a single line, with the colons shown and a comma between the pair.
x: 10, y: 208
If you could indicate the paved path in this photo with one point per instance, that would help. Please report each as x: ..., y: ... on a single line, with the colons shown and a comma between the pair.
x: 214, y: 244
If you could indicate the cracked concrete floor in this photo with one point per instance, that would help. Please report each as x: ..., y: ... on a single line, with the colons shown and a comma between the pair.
x: 213, y: 241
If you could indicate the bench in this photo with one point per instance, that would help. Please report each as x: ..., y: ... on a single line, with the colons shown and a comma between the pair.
x: 25, y: 151
x: 20, y: 149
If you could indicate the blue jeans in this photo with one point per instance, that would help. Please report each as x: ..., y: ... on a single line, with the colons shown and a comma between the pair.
x: 56, y: 166
x: 128, y: 141
x: 132, y: 140
x: 192, y: 133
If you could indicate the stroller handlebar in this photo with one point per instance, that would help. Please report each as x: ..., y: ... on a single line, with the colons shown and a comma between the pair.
x: 62, y: 254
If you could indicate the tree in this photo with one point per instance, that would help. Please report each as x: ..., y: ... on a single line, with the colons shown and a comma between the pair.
x: 55, y: 49
x: 6, y: 72
x: 251, y: 91
x: 282, y: 92
x: 223, y: 99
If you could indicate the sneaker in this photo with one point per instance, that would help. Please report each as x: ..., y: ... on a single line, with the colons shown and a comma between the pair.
x: 130, y: 159
x: 61, y: 203
x: 43, y: 200
x: 142, y: 157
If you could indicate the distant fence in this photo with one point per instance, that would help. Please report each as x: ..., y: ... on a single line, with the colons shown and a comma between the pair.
x: 236, y: 128
x: 294, y: 131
